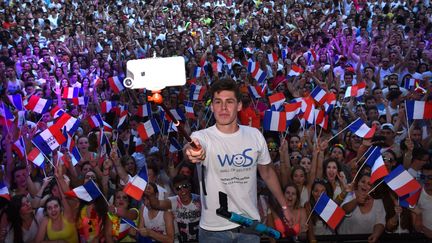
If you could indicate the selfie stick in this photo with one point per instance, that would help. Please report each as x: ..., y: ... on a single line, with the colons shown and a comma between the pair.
x: 242, y: 220
x: 158, y: 99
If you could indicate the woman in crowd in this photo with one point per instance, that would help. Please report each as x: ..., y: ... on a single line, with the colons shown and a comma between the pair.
x: 120, y: 209
x: 365, y: 215
x: 299, y: 227
x: 155, y: 224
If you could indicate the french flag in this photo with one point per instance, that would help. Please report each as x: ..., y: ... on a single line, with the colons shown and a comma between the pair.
x: 116, y: 84
x: 275, y: 121
x: 255, y: 91
x: 295, y: 70
x: 4, y: 191
x: 376, y: 162
x: 198, y: 72
x: 174, y: 145
x: 402, y: 182
x: 256, y: 72
x: 411, y: 83
x: 107, y: 127
x: 418, y: 110
x: 74, y: 152
x: 71, y: 92
x: 135, y: 188
x: 178, y: 114
x: 330, y: 102
x: 292, y: 110
x: 311, y: 56
x: 321, y: 118
x: 69, y: 122
x: 56, y: 112
x: 197, y: 92
x: 144, y: 110
x: 97, y: 81
x: 308, y: 109
x: 147, y: 129
x: 80, y: 101
x: 272, y: 57
x: 285, y: 52
x: 17, y: 101
x: 6, y: 116
x: 18, y: 148
x: 107, y: 106
x: 139, y: 146
x: 123, y: 115
x: 95, y: 121
x: 276, y: 101
x: 88, y: 192
x: 224, y: 58
x: 37, y: 104
x: 319, y: 95
x: 359, y: 128
x: 125, y: 225
x: 48, y: 140
x: 36, y: 157
x: 189, y: 110
x: 410, y: 200
x: 356, y: 90
x: 329, y: 211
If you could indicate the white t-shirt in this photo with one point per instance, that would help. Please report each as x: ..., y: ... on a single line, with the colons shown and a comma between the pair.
x: 363, y: 223
x: 231, y: 167
x: 187, y: 216
x: 425, y: 204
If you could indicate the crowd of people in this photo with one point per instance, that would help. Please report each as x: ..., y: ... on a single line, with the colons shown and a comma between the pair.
x: 67, y: 119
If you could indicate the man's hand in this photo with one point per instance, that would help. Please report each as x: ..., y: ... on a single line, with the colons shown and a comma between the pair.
x: 195, y: 155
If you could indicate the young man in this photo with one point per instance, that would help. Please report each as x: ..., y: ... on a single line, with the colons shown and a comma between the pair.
x: 230, y: 155
x: 185, y: 206
x: 423, y: 211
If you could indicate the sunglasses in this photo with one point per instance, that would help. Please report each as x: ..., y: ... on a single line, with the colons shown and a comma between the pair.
x: 295, y: 157
x: 388, y: 159
x: 273, y: 150
x: 185, y: 186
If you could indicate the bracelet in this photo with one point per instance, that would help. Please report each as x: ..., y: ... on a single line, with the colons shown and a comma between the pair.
x: 284, y: 208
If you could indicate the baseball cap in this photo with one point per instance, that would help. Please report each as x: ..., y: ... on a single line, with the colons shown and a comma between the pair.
x: 387, y: 126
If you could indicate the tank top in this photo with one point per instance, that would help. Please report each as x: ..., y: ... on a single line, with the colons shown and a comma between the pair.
x: 157, y: 223
x: 68, y: 233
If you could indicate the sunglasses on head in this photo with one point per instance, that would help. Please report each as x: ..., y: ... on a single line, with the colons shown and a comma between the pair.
x: 186, y: 186
x: 273, y: 150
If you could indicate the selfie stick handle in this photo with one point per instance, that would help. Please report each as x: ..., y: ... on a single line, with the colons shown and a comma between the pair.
x: 244, y: 221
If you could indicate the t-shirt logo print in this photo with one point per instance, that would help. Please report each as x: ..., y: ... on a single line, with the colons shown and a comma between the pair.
x: 239, y: 160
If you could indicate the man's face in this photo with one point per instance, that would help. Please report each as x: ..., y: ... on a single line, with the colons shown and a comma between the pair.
x: 416, y: 135
x: 389, y: 136
x: 225, y: 107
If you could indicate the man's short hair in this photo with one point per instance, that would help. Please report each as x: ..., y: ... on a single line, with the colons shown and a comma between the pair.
x: 225, y: 84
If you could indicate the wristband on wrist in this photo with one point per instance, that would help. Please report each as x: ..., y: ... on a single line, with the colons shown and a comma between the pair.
x: 284, y: 208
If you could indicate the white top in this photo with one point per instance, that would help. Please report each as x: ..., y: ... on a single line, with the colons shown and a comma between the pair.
x: 187, y: 216
x: 425, y: 204
x: 157, y: 223
x: 28, y: 235
x: 304, y: 196
x: 363, y: 223
x: 231, y: 167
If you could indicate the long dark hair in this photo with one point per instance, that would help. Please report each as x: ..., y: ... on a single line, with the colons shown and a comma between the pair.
x: 312, y: 202
x: 14, y: 217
